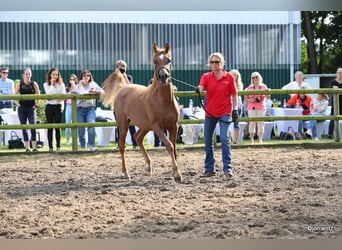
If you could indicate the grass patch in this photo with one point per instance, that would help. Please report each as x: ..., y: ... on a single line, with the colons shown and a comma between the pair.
x: 113, y: 147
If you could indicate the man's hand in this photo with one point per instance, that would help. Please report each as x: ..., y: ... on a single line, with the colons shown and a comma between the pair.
x: 197, y: 90
x: 235, y: 115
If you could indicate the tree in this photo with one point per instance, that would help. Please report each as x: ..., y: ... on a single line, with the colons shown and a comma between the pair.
x: 321, y: 32
x: 309, y: 35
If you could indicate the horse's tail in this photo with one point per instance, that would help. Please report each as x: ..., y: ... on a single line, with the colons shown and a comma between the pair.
x: 111, y: 87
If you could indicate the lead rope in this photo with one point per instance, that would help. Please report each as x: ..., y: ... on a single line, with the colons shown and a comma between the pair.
x: 200, y: 100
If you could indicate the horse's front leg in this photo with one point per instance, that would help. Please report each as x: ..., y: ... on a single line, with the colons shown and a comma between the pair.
x: 175, y: 168
x: 122, y: 145
x: 139, y: 138
x: 171, y: 148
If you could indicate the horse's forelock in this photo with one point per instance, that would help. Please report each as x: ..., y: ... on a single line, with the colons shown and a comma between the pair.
x: 160, y: 52
x: 166, y: 50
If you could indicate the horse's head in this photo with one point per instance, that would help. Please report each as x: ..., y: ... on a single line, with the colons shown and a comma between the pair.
x: 162, y: 63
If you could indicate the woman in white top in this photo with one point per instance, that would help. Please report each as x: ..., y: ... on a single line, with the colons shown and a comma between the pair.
x: 54, y: 108
x: 318, y: 107
x: 86, y: 107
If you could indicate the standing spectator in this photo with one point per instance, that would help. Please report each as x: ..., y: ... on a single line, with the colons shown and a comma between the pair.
x: 27, y: 108
x: 54, y: 108
x: 122, y: 66
x: 256, y: 106
x: 303, y: 101
x: 298, y: 83
x: 239, y: 86
x: 221, y: 99
x: 6, y: 88
x: 337, y: 83
x: 86, y: 107
x: 68, y: 109
x: 318, y: 107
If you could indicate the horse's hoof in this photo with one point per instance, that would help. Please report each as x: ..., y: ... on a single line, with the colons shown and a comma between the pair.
x: 178, y: 179
x: 148, y: 169
x: 126, y: 176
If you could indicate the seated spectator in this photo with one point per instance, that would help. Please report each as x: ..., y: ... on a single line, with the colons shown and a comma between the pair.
x: 303, y: 101
x: 318, y: 107
x: 298, y: 83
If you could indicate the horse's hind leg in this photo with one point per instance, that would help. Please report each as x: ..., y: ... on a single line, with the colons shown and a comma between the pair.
x: 139, y: 138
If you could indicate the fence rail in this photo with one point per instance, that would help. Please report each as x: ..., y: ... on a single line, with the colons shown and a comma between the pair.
x: 74, y: 97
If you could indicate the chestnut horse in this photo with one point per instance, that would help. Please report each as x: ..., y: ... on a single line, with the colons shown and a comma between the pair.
x: 150, y: 108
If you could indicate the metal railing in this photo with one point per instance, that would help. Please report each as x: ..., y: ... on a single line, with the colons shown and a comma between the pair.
x: 74, y: 97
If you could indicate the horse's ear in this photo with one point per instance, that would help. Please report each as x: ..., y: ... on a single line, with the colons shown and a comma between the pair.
x: 155, y: 48
x: 167, y: 47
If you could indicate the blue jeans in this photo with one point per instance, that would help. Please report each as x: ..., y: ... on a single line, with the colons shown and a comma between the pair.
x: 68, y: 119
x: 86, y: 115
x: 209, y: 127
x: 300, y: 126
x: 312, y: 125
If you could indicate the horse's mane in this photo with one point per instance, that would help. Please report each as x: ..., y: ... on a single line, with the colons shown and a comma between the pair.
x: 111, y: 87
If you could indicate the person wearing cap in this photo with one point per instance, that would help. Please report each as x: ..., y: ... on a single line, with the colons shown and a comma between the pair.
x: 318, y: 108
x: 6, y: 88
x: 298, y: 83
x: 303, y: 101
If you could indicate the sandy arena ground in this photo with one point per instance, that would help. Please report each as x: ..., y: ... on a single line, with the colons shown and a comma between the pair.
x: 288, y: 192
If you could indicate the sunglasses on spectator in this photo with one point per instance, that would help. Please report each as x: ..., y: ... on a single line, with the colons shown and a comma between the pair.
x: 86, y: 75
x: 214, y: 62
x: 4, y: 72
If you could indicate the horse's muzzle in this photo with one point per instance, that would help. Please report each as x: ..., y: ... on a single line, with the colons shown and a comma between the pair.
x: 164, y: 76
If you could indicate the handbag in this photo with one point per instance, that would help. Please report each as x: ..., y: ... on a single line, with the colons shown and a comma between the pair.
x: 15, y: 141
x: 296, y: 135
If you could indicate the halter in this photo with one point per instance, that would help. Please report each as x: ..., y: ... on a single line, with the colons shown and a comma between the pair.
x: 167, y: 69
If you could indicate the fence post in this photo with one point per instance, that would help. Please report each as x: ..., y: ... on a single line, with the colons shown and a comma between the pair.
x: 336, y: 112
x: 74, y: 120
